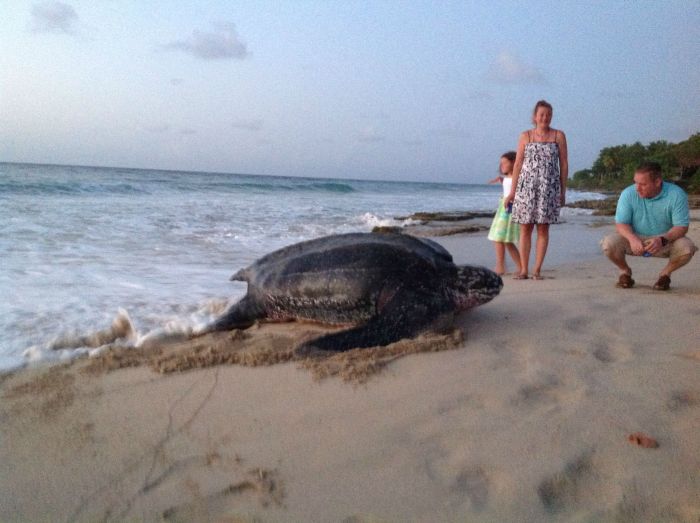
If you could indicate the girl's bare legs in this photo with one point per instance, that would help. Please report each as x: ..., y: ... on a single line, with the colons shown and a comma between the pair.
x: 525, y: 245
x: 500, y: 268
x: 541, y: 248
x: 515, y: 254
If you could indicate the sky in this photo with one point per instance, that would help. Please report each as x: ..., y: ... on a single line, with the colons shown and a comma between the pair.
x: 386, y: 90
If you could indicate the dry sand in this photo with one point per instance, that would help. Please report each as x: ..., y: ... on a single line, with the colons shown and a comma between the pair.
x: 539, y: 411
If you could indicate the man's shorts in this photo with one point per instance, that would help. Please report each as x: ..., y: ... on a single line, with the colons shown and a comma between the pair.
x: 616, y: 243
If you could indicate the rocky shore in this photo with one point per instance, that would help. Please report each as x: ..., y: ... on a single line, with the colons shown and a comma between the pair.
x: 425, y: 224
x: 438, y: 224
x: 604, y: 207
x: 607, y: 206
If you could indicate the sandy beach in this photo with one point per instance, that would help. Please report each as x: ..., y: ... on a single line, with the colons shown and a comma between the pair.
x: 536, y: 408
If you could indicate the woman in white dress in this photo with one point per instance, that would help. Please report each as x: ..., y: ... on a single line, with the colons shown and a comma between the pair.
x: 539, y: 186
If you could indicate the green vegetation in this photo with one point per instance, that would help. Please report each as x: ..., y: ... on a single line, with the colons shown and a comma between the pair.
x: 615, y: 166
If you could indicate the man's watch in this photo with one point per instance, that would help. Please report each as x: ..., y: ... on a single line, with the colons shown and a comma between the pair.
x: 664, y: 241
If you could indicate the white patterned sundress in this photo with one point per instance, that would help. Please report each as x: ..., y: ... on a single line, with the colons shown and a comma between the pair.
x: 538, y: 194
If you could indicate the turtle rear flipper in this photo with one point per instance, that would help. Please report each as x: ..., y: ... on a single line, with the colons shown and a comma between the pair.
x: 405, y: 316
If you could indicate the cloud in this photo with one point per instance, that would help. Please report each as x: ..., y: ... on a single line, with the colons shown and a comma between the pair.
x: 248, y: 125
x: 508, y: 68
x: 53, y: 17
x: 221, y: 44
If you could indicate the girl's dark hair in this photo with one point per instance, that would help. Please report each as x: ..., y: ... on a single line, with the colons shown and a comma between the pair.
x: 510, y: 155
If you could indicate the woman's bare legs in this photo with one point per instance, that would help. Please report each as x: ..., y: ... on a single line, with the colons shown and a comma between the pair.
x: 541, y: 248
x: 515, y: 254
x: 525, y: 246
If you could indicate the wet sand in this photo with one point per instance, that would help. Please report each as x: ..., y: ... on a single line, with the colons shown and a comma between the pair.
x: 537, y: 408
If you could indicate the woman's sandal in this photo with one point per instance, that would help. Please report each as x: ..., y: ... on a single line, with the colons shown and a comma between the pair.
x: 537, y: 277
x: 520, y: 277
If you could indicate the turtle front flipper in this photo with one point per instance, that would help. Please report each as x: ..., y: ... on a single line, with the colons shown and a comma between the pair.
x: 405, y: 316
x: 240, y: 315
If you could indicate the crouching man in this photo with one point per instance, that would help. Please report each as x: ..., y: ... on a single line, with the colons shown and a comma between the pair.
x: 652, y: 219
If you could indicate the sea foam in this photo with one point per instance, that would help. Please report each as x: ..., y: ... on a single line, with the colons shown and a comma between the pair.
x: 81, y: 246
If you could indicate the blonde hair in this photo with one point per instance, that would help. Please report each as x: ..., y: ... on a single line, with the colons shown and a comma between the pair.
x: 541, y: 103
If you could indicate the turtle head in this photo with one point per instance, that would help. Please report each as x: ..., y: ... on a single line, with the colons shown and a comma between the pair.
x: 475, y: 285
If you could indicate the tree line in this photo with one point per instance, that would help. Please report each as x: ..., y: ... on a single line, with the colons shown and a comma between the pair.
x: 614, y: 168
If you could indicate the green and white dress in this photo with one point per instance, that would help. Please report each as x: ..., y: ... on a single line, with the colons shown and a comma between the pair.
x: 503, y: 228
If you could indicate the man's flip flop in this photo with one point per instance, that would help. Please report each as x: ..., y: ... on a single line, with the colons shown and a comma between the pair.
x: 625, y: 281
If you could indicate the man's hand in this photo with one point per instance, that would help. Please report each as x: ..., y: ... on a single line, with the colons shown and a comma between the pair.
x: 637, y: 246
x: 653, y: 245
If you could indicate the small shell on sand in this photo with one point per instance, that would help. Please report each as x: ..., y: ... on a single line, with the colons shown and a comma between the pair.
x: 641, y: 439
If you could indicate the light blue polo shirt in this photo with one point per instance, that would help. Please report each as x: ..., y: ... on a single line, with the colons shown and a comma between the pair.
x: 653, y: 216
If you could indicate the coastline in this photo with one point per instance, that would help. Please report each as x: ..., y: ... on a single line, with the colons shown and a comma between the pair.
x: 527, y: 418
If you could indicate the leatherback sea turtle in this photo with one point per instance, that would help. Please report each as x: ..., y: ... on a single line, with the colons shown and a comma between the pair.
x: 385, y: 287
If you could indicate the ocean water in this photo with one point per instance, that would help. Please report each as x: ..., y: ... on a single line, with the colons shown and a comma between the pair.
x: 92, y: 254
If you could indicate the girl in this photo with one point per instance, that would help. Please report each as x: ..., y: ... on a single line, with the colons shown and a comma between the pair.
x: 504, y: 232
